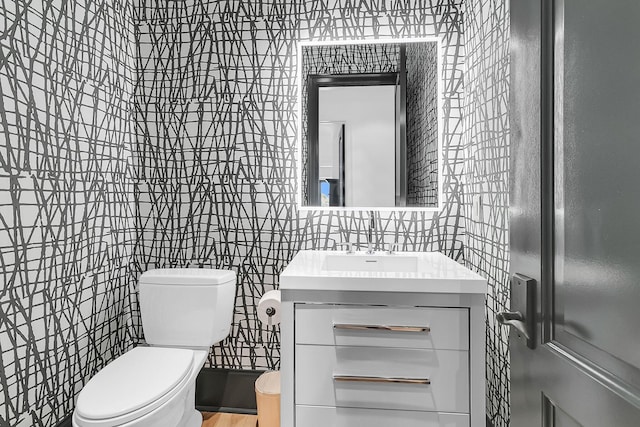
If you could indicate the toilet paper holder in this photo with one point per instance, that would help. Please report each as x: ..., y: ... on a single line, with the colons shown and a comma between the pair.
x: 268, y: 309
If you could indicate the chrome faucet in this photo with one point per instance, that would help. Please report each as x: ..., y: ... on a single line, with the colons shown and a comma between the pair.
x: 372, y: 226
x: 347, y: 244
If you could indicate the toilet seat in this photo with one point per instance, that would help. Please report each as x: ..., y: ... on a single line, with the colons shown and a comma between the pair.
x: 133, y: 385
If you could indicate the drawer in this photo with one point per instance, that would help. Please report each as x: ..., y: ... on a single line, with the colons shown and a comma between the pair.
x: 448, y: 328
x: 447, y: 371
x: 316, y: 416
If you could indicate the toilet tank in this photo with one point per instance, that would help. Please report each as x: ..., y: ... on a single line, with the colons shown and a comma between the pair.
x: 186, y: 307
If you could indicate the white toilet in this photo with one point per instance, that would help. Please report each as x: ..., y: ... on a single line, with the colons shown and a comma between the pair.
x: 184, y: 312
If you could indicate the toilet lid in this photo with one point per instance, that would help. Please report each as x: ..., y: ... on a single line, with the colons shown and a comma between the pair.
x: 132, y: 381
x: 188, y: 276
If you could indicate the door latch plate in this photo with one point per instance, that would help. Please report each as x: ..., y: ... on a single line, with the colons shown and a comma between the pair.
x: 524, y: 299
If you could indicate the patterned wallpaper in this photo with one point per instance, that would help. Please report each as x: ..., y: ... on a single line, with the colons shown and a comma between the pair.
x: 350, y: 59
x: 206, y: 176
x: 422, y: 124
x: 66, y: 241
x: 486, y: 141
x: 217, y: 124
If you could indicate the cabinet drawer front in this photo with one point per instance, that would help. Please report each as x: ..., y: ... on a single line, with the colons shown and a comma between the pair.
x: 372, y: 377
x: 447, y: 328
x: 320, y: 416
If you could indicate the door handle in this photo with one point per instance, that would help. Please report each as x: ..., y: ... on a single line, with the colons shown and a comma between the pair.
x: 376, y: 379
x: 515, y: 319
x: 523, y: 304
x: 381, y: 328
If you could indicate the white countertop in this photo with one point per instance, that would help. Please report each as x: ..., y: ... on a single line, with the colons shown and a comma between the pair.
x: 435, y: 273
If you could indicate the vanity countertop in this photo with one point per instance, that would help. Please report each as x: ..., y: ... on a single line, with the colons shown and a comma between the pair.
x: 417, y: 272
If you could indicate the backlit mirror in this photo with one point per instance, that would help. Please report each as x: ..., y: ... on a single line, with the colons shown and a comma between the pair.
x: 370, y: 124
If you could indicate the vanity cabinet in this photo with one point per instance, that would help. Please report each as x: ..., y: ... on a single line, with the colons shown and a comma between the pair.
x: 380, y: 357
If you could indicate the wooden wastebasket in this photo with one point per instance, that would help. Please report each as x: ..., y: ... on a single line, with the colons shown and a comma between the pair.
x: 268, y: 399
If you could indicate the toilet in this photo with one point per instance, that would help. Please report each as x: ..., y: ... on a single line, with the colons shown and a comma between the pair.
x: 184, y: 312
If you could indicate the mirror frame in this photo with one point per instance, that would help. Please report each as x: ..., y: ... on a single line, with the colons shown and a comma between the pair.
x: 299, y: 165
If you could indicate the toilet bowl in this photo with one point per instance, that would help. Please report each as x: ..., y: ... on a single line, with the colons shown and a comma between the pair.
x: 184, y: 312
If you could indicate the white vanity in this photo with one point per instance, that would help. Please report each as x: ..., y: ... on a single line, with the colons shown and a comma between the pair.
x: 382, y: 340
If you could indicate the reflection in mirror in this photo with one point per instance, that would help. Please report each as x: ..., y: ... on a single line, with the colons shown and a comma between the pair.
x: 370, y: 128
x: 331, y: 163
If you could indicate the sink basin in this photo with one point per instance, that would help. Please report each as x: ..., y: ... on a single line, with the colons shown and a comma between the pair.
x: 382, y: 263
x: 421, y: 272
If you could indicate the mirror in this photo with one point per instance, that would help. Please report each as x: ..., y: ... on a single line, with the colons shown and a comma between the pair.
x: 370, y: 130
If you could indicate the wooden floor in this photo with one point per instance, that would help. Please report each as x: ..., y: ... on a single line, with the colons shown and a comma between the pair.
x: 228, y: 420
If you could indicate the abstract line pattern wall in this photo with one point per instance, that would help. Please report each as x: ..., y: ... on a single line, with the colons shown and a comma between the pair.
x: 486, y: 139
x: 217, y: 124
x: 65, y: 189
x: 422, y: 124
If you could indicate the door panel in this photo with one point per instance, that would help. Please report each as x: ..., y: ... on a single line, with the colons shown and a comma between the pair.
x: 575, y: 201
x: 597, y: 162
x: 556, y: 416
x: 562, y: 419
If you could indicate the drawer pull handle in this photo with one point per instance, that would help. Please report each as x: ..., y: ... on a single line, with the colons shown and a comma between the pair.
x: 382, y: 328
x: 364, y: 379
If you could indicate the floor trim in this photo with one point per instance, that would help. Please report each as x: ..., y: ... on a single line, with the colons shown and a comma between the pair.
x: 66, y: 422
x: 227, y: 390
